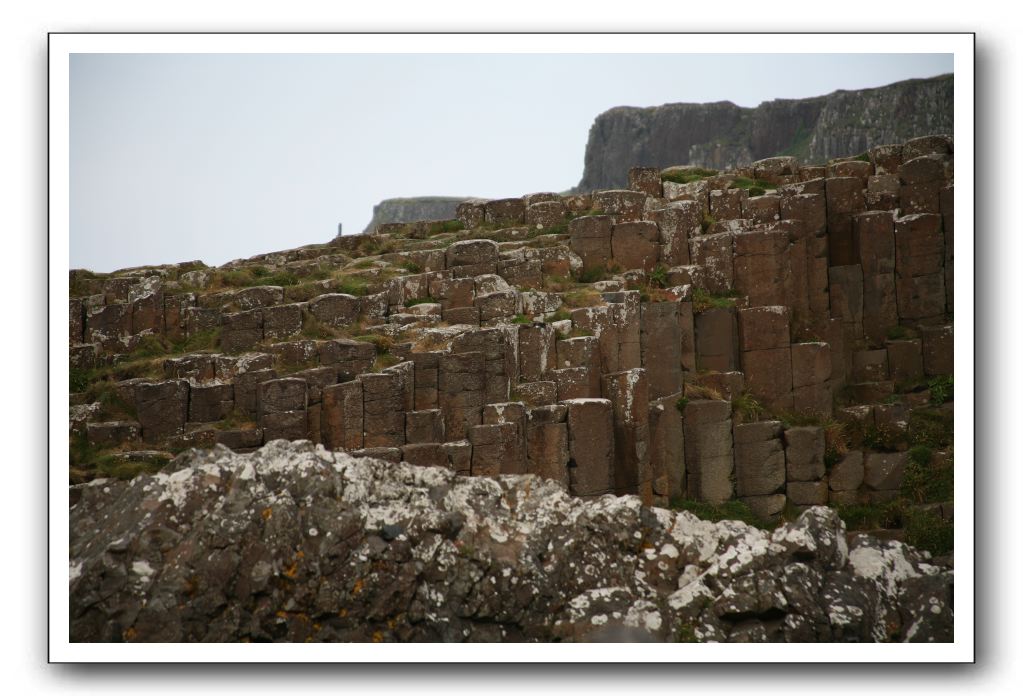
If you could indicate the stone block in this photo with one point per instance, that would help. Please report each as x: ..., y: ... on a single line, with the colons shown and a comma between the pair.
x: 811, y: 208
x: 708, y: 447
x: 635, y: 245
x: 283, y: 395
x: 759, y: 458
x: 927, y: 145
x: 847, y: 473
x: 107, y: 325
x: 807, y: 492
x: 884, y: 471
x: 496, y: 449
x: 383, y: 415
x: 537, y: 351
x: 472, y: 252
x: 905, y: 360
x: 852, y: 168
x: 921, y: 298
x: 241, y: 331
x: 545, y: 214
x: 811, y: 364
x: 174, y: 312
x: 208, y: 403
x: 938, y: 349
x: 646, y: 180
x: 660, y: 345
x: 247, y: 390
x: 547, y: 452
x: 762, y: 209
x: 472, y: 214
x: 461, y: 392
x: 162, y: 408
x: 676, y: 223
x: 919, y: 245
x: 763, y: 266
x: 537, y: 393
x: 870, y: 365
x: 804, y: 453
x: 874, y: 233
x: 667, y: 445
x: 880, y: 306
x: 886, y: 158
x: 387, y: 454
x: 591, y: 446
x: 845, y: 194
x: 717, y: 339
x: 453, y: 293
x: 424, y: 426
x: 240, y: 439
x: 335, y: 309
x: 687, y: 335
x: 574, y: 383
x: 590, y: 240
x: 462, y: 315
x: 846, y: 284
x: 282, y: 321
x: 425, y: 454
x: 199, y: 320
x: 769, y: 376
x: 82, y: 357
x: 762, y: 328
x: 459, y: 456
x: 350, y: 357
x: 715, y: 253
x: 504, y: 211
x: 727, y: 204
x: 814, y: 399
x: 112, y: 433
x: 629, y: 393
x: 622, y: 205
x: 766, y: 507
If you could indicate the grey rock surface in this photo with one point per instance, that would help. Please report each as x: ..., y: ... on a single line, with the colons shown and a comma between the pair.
x: 295, y: 543
x: 413, y: 209
x: 722, y: 135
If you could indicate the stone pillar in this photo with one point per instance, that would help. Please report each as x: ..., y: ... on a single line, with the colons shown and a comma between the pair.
x: 629, y: 393
x: 661, y: 345
x: 667, y: 448
x: 341, y: 416
x: 590, y: 446
x: 708, y: 446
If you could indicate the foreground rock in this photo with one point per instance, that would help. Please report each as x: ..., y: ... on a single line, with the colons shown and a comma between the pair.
x: 296, y: 543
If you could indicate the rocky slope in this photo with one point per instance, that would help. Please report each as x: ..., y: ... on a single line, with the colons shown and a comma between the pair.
x: 295, y: 543
x: 722, y: 135
x: 413, y: 209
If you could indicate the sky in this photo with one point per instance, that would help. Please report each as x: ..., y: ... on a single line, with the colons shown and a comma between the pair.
x: 213, y: 157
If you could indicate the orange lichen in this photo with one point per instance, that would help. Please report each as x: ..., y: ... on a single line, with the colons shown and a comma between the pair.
x: 378, y: 637
x: 267, y: 513
x: 358, y: 586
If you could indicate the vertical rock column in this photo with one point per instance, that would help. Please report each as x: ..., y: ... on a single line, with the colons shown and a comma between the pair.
x: 591, y: 446
x: 629, y: 393
x: 708, y: 446
x: 667, y: 448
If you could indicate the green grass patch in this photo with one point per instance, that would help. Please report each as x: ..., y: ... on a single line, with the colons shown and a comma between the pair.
x: 659, y: 276
x: 521, y: 319
x: 941, y: 389
x: 729, y: 510
x: 756, y: 191
x: 688, y: 176
x: 926, y: 530
x: 445, y: 226
x: 419, y: 301
x: 352, y: 285
x: 707, y: 222
x: 703, y: 300
x: 746, y: 408
x: 680, y: 404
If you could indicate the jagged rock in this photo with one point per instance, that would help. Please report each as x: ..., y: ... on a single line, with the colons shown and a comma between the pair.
x: 295, y: 543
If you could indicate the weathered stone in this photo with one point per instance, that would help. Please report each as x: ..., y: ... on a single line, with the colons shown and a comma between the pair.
x: 425, y: 454
x: 282, y: 321
x: 472, y: 252
x: 510, y: 211
x: 766, y: 507
x: 621, y: 205
x: 199, y: 320
x: 811, y: 363
x: 728, y: 204
x: 591, y: 446
x: 241, y: 331
x: 807, y: 492
x: 715, y: 253
x: 667, y: 446
x: 661, y: 344
x: 590, y: 240
x: 708, y: 446
x: 547, y: 452
x: 905, y: 360
x: 240, y: 439
x: 162, y: 409
x: 210, y: 403
x: 383, y: 416
x: 646, y: 180
x: 544, y: 215
x: 537, y: 393
x: 282, y: 395
x: 676, y: 223
x: 635, y: 245
x: 938, y: 350
x: 804, y: 453
x: 341, y: 416
x: 884, y: 471
x: 847, y: 473
x: 471, y: 214
x: 107, y: 325
x: 495, y: 449
x: 717, y: 339
x: 870, y: 365
x: 112, y: 433
x: 769, y: 376
x: 761, y: 328
x: 629, y: 392
x: 759, y: 458
x: 461, y: 392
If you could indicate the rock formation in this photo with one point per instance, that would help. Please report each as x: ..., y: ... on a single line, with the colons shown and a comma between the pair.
x: 722, y: 135
x: 412, y: 209
x: 296, y: 543
x: 750, y: 343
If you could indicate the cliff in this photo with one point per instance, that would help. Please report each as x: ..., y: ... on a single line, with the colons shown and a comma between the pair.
x: 412, y: 209
x: 722, y: 135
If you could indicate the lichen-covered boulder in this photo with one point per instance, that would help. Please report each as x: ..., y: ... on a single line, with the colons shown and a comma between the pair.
x: 295, y: 543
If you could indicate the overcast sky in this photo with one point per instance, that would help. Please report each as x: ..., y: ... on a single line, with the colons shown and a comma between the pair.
x: 178, y: 157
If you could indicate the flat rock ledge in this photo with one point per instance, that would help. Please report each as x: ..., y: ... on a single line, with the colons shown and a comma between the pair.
x: 297, y: 543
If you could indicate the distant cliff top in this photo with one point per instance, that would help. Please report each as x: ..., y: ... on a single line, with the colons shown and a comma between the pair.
x: 412, y: 209
x: 722, y: 135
